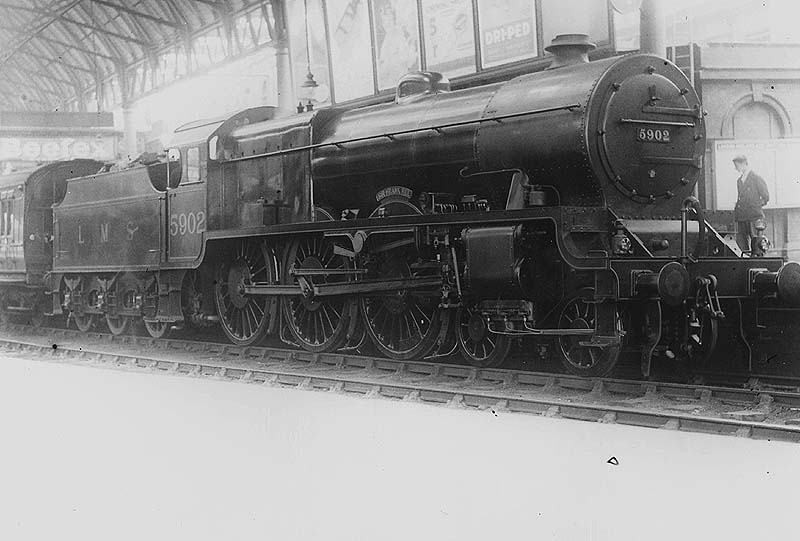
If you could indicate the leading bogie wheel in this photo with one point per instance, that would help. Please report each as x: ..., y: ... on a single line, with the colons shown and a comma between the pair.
x: 703, y: 332
x: 479, y: 346
x: 579, y: 312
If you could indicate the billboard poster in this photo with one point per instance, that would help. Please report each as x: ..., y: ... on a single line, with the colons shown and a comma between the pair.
x: 449, y: 37
x: 46, y: 148
x: 507, y: 30
x: 396, y: 40
x: 351, y: 53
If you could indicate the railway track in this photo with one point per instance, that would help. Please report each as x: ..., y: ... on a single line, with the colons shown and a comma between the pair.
x: 745, y: 412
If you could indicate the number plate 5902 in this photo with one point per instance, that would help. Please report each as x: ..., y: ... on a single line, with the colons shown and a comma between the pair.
x: 653, y: 135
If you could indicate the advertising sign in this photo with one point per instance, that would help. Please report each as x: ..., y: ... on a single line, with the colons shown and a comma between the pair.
x: 449, y: 39
x: 44, y: 148
x: 508, y: 31
x: 396, y: 40
x: 351, y: 54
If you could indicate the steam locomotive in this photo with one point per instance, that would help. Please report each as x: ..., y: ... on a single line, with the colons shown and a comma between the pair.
x: 555, y: 209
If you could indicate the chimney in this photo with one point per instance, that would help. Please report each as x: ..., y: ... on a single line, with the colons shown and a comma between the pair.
x: 653, y: 27
x: 569, y: 49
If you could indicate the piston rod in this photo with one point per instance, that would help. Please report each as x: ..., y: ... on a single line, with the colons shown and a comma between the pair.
x: 358, y: 287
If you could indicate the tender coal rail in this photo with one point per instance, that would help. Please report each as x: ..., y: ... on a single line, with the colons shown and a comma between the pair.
x: 744, y: 412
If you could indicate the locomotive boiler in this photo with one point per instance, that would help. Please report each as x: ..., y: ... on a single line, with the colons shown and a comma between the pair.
x: 553, y: 210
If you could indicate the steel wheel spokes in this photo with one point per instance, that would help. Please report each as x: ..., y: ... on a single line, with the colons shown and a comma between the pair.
x: 318, y: 324
x: 402, y: 324
x: 85, y: 321
x: 245, y: 319
x: 121, y: 297
x: 580, y: 313
x: 478, y: 345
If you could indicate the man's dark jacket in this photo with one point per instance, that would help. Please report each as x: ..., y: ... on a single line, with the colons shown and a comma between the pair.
x: 753, y: 195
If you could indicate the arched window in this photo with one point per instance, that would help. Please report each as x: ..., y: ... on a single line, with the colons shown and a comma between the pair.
x: 757, y: 120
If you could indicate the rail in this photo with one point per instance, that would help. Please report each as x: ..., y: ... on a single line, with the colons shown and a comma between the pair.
x: 752, y: 413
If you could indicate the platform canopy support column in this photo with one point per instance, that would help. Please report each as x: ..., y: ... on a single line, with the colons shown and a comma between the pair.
x: 283, y: 68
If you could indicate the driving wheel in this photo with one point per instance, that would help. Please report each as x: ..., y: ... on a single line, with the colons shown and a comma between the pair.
x: 318, y: 324
x: 245, y: 319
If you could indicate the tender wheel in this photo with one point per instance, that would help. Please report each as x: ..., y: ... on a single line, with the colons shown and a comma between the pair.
x: 117, y: 324
x: 158, y: 329
x: 403, y: 324
x: 579, y: 359
x: 84, y: 322
x: 478, y: 345
x: 192, y: 301
x: 317, y: 324
x: 121, y: 296
x: 37, y: 318
x: 88, y: 293
x: 245, y: 319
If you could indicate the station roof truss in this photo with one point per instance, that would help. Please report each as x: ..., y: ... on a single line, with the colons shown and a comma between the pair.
x: 63, y: 54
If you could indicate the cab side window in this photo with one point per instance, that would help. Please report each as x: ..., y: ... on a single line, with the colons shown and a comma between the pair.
x: 175, y: 169
x: 193, y: 164
x: 161, y: 172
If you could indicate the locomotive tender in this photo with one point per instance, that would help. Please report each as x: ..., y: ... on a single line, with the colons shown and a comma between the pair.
x: 555, y: 208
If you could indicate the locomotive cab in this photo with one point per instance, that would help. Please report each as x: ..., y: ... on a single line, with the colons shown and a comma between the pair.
x: 164, y: 174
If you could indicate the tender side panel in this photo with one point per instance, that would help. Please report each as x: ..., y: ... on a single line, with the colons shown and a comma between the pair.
x: 107, y: 222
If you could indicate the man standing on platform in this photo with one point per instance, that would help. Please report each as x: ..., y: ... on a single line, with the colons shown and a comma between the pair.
x: 753, y: 195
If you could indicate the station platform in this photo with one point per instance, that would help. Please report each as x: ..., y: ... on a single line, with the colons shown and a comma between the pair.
x: 93, y: 454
